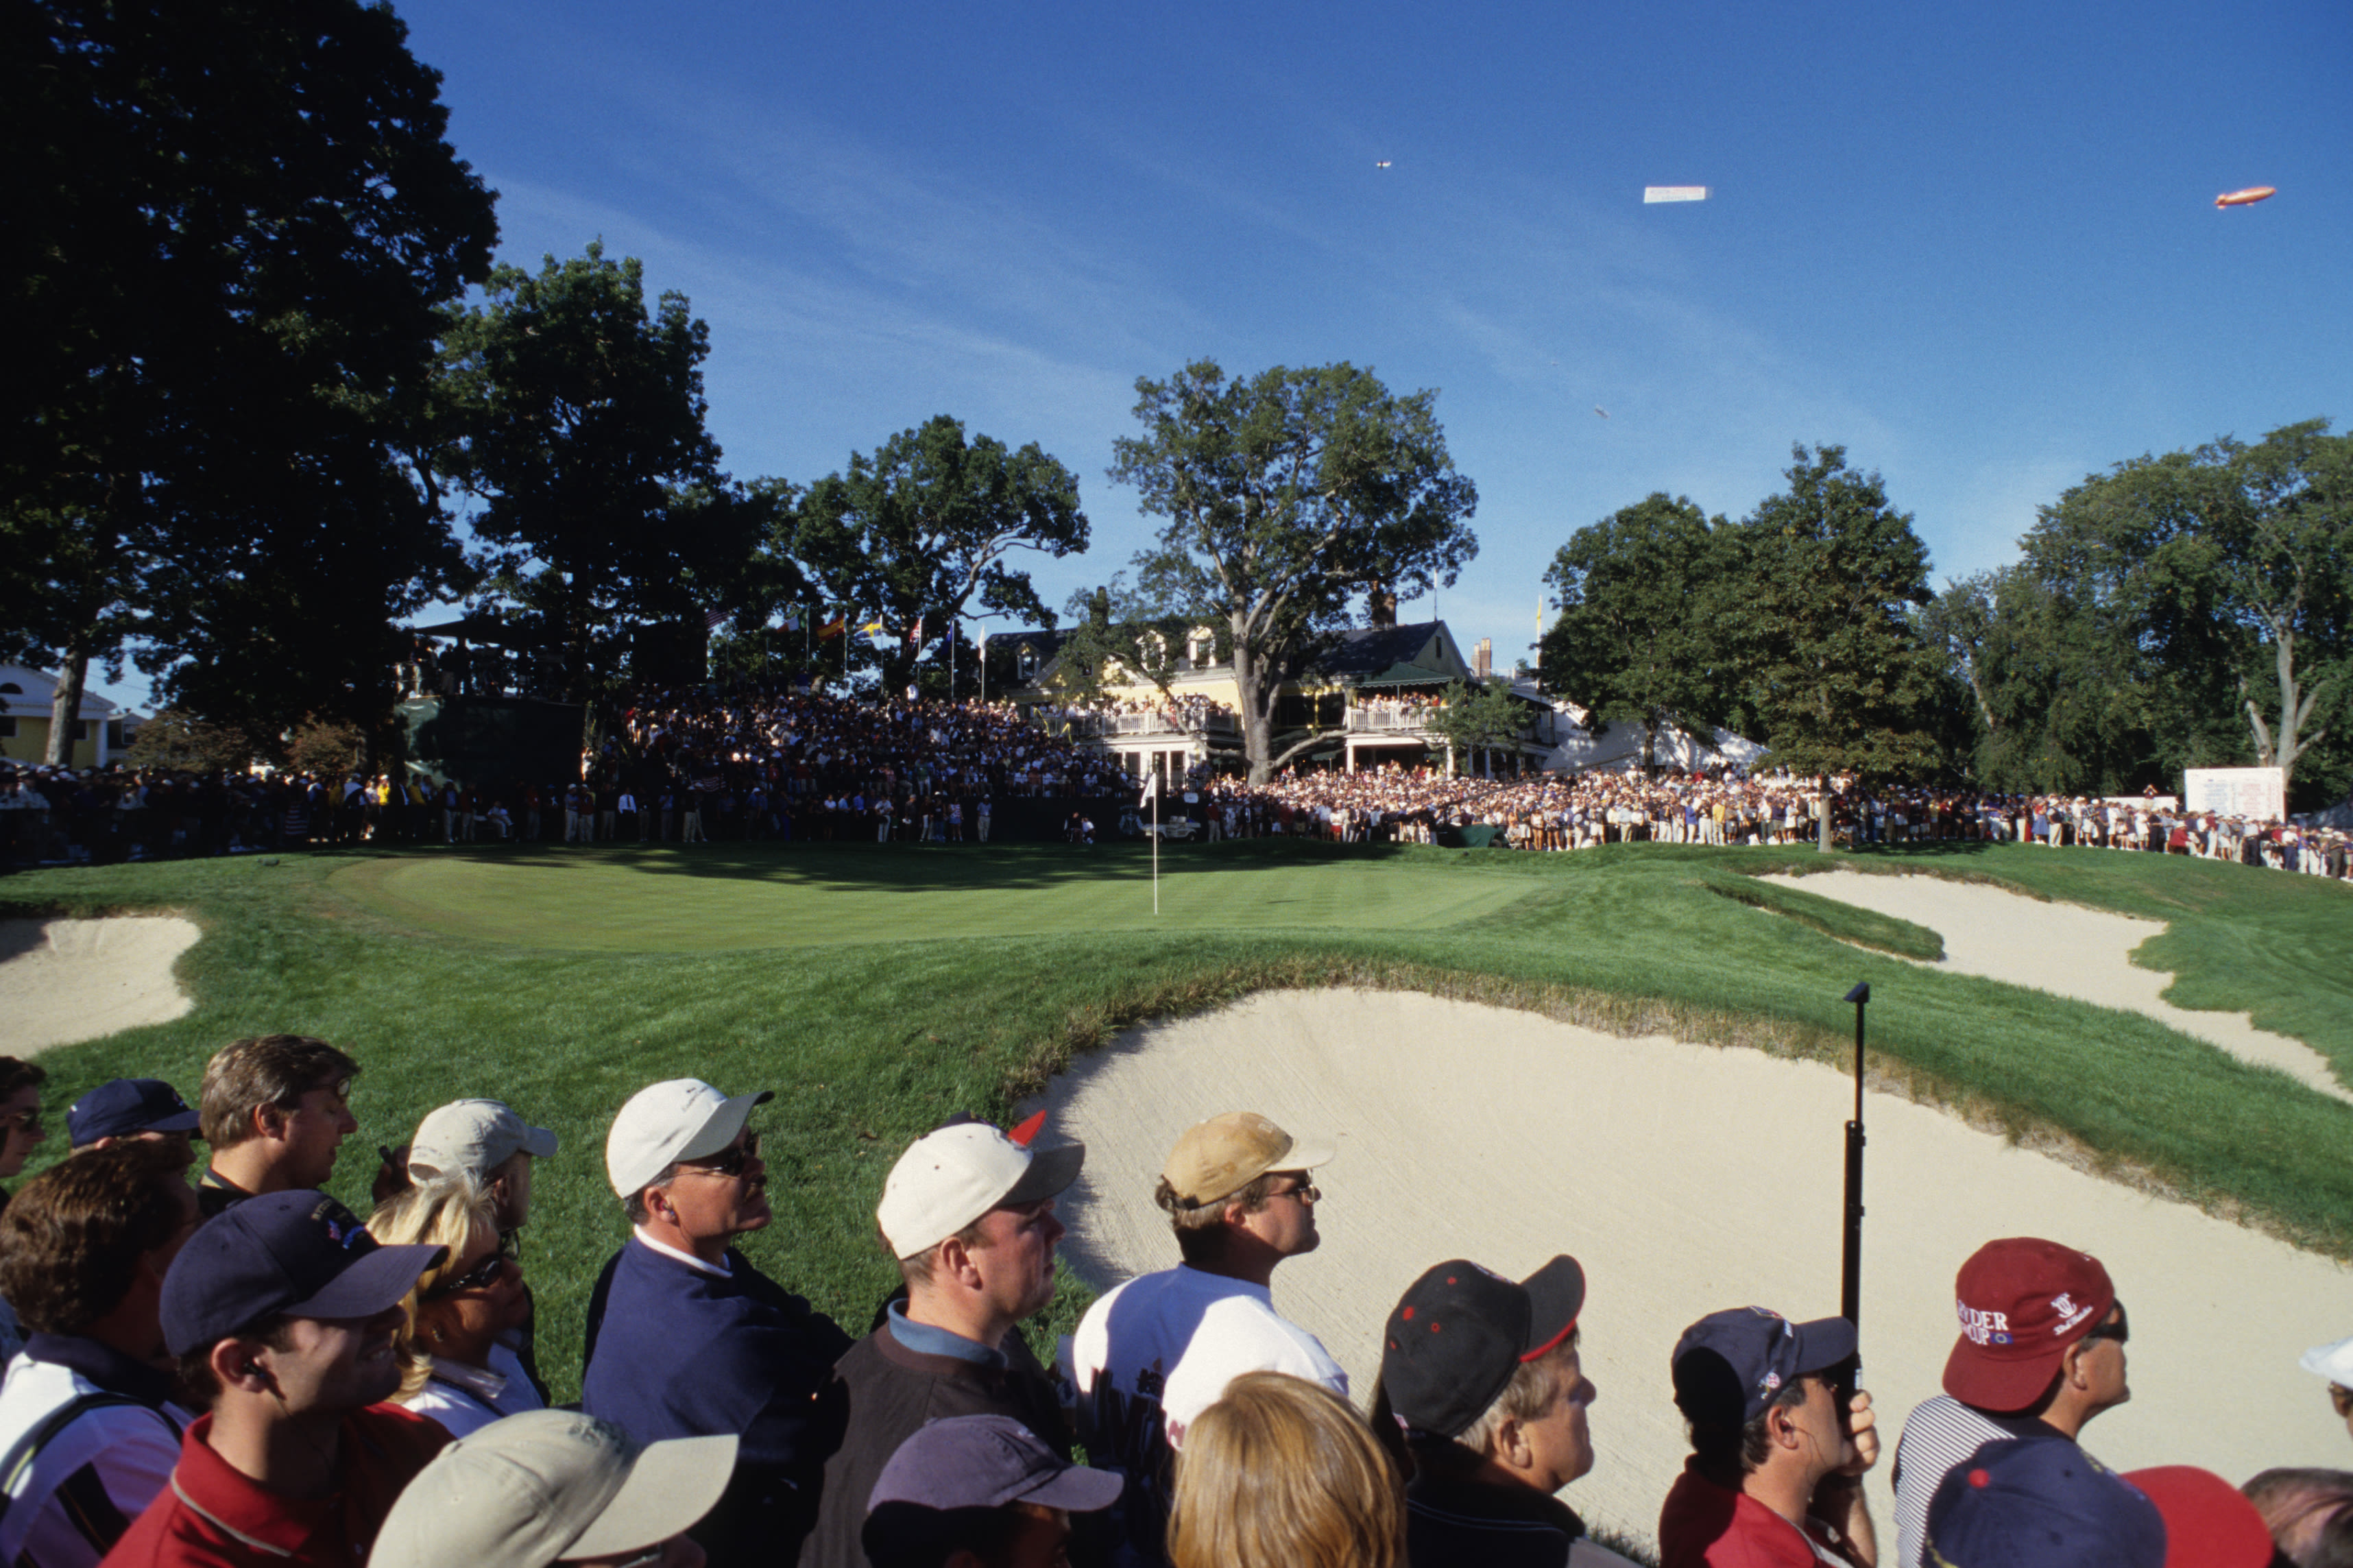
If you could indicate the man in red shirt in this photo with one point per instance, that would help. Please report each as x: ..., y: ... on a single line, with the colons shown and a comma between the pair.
x: 1775, y: 1480
x: 281, y: 1313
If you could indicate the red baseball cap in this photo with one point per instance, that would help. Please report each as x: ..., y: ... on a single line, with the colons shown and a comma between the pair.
x: 2207, y: 1522
x: 2022, y: 1302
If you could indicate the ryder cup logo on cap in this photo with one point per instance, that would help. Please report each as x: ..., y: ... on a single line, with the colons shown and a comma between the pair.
x: 951, y: 1177
x: 2021, y: 1302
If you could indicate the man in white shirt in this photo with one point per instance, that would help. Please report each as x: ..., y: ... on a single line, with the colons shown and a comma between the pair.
x: 1156, y: 1351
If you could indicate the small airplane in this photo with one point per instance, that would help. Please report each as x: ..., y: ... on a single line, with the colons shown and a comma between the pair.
x: 1603, y: 412
x: 2245, y: 198
x: 1385, y: 164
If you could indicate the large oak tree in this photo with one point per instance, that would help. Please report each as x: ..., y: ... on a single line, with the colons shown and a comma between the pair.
x: 1287, y: 495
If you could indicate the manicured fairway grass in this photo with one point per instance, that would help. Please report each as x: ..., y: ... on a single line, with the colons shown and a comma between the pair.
x: 981, y: 972
x: 715, y: 898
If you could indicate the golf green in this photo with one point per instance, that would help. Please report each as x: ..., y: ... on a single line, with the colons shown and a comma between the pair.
x: 710, y: 897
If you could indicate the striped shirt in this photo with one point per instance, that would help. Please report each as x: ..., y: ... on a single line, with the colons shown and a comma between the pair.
x: 1940, y: 1435
x: 69, y: 1502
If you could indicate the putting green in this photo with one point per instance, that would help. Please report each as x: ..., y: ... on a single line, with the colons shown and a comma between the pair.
x: 732, y: 897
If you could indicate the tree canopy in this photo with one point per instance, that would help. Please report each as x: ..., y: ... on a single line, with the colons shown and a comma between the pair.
x: 926, y: 527
x: 1286, y: 494
x: 232, y: 227
x: 2189, y: 610
x: 1637, y: 636
x: 576, y: 422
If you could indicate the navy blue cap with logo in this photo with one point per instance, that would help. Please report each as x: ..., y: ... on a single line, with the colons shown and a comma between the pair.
x: 125, y: 1106
x: 1730, y: 1365
x: 295, y: 1255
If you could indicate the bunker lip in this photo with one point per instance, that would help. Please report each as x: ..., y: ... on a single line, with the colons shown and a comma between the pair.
x: 1686, y: 1178
x: 2065, y: 950
x: 66, y: 980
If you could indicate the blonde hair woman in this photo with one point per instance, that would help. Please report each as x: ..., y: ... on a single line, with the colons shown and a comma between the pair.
x: 458, y: 1311
x: 1281, y: 1473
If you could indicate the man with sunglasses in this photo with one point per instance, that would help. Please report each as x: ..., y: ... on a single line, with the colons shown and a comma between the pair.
x: 2040, y: 1353
x: 1155, y: 1353
x: 686, y: 1339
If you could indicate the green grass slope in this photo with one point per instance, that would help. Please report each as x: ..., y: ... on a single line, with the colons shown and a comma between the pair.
x: 563, y: 984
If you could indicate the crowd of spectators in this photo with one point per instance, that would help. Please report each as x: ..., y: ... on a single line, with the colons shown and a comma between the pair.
x: 242, y: 1371
x: 755, y: 762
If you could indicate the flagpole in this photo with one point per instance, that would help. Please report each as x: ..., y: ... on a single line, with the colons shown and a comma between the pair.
x: 1153, y: 784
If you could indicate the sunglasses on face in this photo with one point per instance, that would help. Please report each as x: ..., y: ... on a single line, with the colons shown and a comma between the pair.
x: 2341, y: 1397
x: 731, y: 1161
x: 2120, y: 1330
x: 26, y: 1121
x: 482, y: 1276
x: 1305, y: 1192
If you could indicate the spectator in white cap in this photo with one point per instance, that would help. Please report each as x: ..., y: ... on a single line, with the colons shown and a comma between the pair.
x: 686, y: 1339
x: 554, y: 1486
x: 453, y: 1367
x: 489, y: 1142
x: 486, y: 1142
x: 968, y: 1212
x: 1159, y: 1349
x: 2334, y: 1364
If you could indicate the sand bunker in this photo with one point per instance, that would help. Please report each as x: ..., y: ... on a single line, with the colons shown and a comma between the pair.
x: 2065, y: 950
x: 64, y: 981
x: 1686, y: 1178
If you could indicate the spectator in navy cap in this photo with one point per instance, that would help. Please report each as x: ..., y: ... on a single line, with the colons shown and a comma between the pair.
x: 2043, y: 1502
x: 1775, y: 1472
x: 982, y: 1490
x: 126, y: 1108
x: 282, y: 1312
x: 1484, y: 1372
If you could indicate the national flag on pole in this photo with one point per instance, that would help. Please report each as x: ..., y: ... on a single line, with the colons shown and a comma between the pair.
x: 833, y: 628
x: 916, y: 637
x: 712, y: 620
x: 793, y: 618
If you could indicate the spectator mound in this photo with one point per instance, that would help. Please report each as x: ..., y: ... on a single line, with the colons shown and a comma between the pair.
x: 1686, y: 1178
x: 64, y: 981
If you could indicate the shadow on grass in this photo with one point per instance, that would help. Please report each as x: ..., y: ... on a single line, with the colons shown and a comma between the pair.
x: 926, y: 868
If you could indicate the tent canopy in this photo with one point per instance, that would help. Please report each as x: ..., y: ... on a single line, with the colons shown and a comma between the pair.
x: 1405, y: 675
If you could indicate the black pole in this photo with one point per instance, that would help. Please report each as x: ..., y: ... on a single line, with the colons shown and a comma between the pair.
x: 1850, y: 1257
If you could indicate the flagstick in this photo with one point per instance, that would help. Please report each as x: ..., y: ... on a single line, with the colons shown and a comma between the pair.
x: 1155, y: 844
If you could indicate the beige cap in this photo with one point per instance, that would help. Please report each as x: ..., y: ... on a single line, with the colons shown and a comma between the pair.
x: 551, y: 1484
x: 1227, y: 1153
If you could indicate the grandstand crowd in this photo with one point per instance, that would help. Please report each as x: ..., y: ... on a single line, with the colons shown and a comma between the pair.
x: 237, y: 1369
x: 771, y: 763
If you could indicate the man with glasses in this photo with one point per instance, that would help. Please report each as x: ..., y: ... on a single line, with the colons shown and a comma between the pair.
x: 1159, y: 1349
x: 686, y: 1339
x: 2040, y: 1351
x: 968, y: 1213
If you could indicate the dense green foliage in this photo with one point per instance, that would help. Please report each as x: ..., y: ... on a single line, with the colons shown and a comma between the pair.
x: 1287, y: 495
x: 1792, y: 625
x: 921, y: 529
x: 2189, y: 610
x: 870, y: 1042
x: 1637, y: 638
x: 230, y: 228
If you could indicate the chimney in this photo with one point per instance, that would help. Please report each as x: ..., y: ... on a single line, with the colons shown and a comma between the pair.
x: 1482, y: 661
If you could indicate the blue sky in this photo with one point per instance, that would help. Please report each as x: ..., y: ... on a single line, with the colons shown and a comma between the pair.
x: 1976, y: 245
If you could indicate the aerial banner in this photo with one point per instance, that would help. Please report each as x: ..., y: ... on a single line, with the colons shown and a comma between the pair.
x: 1673, y: 193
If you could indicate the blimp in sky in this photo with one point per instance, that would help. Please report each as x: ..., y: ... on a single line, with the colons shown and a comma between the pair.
x: 1673, y: 193
x: 2245, y: 198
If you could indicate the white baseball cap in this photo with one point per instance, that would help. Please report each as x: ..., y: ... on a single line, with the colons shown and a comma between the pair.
x: 677, y: 1118
x: 950, y: 1178
x: 2334, y: 1363
x: 548, y: 1485
x: 477, y: 1135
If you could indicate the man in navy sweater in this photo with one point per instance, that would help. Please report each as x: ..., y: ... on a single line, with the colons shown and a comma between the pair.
x: 687, y: 1339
